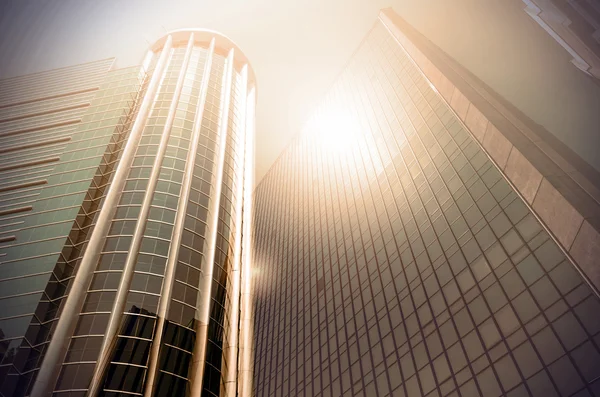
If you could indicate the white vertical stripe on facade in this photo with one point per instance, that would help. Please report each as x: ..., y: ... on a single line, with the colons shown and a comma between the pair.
x: 59, y: 343
x: 231, y: 350
x: 176, y: 236
x: 246, y: 319
x: 206, y: 280
x: 116, y: 315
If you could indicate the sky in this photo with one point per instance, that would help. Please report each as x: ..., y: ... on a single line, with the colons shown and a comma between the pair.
x: 298, y: 47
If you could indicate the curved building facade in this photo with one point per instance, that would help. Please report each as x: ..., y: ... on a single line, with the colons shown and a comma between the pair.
x: 149, y: 291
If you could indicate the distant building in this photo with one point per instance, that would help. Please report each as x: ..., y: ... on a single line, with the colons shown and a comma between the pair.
x: 123, y: 198
x: 421, y: 237
x: 575, y: 25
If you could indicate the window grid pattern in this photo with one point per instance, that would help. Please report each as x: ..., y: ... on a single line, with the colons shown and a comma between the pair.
x: 125, y: 373
x: 217, y: 365
x: 179, y: 337
x: 76, y: 186
x: 128, y: 364
x: 91, y: 144
x: 85, y: 345
x: 24, y: 90
x: 127, y: 370
x: 405, y: 264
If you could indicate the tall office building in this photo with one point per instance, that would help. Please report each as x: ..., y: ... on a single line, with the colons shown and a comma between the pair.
x: 124, y: 216
x: 422, y: 237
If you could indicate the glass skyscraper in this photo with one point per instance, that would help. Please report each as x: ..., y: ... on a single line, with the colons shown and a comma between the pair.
x: 124, y: 224
x: 422, y: 237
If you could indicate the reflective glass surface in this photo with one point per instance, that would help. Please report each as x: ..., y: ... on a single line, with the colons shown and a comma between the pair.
x: 393, y: 258
x: 37, y: 264
x: 39, y: 268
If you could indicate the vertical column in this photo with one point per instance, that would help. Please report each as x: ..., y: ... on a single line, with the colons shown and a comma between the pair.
x: 246, y: 320
x: 57, y: 347
x: 204, y: 304
x: 176, y: 236
x: 116, y: 315
x: 231, y: 350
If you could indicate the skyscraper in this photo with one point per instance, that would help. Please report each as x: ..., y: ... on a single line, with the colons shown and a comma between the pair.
x: 422, y: 237
x: 124, y: 224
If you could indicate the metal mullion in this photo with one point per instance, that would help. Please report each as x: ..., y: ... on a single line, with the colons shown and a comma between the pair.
x: 105, y: 390
x: 30, y: 198
x: 58, y: 345
x: 10, y: 224
x: 28, y: 242
x: 185, y: 283
x: 290, y: 157
x: 285, y: 246
x: 325, y: 231
x: 174, y: 375
x: 442, y: 214
x: 35, y: 121
x: 18, y: 190
x: 124, y: 363
x: 408, y: 337
x: 341, y: 163
x: 282, y: 249
x: 42, y: 146
x: 246, y: 298
x: 542, y: 312
x: 333, y: 174
x: 296, y: 272
x: 266, y: 303
x: 306, y: 313
x: 468, y: 264
x: 530, y: 250
x: 313, y: 258
x: 28, y: 173
x: 121, y: 384
x: 19, y: 111
x: 301, y: 148
x: 410, y: 209
x: 340, y: 90
x: 205, y: 303
x: 232, y: 360
x: 58, y: 75
x: 276, y: 270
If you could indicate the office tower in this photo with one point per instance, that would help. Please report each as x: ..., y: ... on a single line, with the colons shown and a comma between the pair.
x: 421, y: 237
x: 125, y: 200
x: 575, y: 25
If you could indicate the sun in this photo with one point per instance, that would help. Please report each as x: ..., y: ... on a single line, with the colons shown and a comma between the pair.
x: 335, y: 128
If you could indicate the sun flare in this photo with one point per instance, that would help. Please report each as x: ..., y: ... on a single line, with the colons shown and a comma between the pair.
x: 336, y: 128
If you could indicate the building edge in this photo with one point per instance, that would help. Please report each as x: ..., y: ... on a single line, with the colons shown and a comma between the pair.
x: 562, y: 190
x: 47, y: 375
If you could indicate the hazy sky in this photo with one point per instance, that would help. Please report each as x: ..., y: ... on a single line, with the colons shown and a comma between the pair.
x: 297, y: 47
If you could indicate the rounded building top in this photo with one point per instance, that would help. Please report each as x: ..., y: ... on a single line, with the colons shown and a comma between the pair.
x: 203, y: 37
